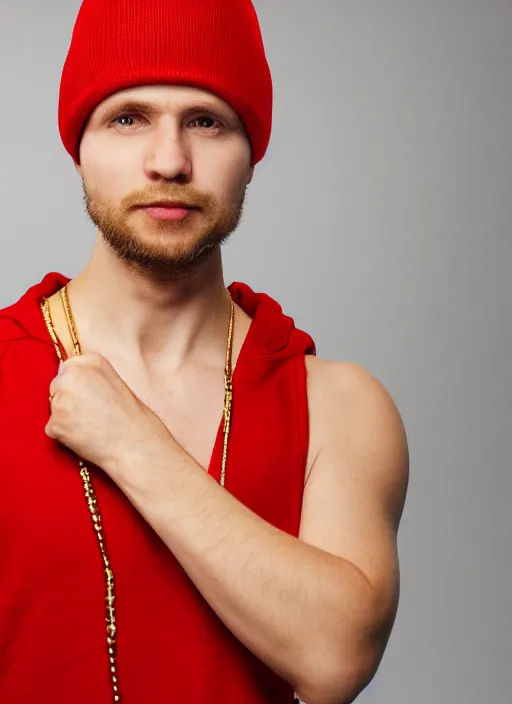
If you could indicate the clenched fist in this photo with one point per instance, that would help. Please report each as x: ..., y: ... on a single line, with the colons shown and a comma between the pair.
x: 95, y: 414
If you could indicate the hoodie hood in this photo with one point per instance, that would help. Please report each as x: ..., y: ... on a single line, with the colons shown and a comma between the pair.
x: 271, y: 334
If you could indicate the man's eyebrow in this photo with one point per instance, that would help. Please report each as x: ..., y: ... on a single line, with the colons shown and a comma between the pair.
x: 129, y: 105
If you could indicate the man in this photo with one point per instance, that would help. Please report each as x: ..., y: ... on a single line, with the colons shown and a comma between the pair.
x: 128, y: 572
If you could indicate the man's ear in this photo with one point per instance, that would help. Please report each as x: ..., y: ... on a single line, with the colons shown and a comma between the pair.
x: 251, y: 174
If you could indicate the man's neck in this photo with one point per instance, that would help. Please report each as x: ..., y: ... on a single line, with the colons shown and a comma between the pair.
x: 122, y: 313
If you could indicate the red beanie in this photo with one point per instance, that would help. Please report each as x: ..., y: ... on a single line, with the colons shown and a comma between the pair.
x: 215, y: 45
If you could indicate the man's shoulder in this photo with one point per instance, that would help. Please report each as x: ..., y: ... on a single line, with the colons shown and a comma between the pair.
x: 11, y: 328
x: 13, y: 332
x: 345, y: 381
x: 23, y: 319
x: 357, y: 433
x: 349, y: 404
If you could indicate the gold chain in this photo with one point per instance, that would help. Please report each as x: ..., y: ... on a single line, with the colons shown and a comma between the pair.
x: 89, y: 491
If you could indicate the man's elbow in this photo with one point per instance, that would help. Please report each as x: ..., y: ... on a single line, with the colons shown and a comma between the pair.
x: 338, y: 683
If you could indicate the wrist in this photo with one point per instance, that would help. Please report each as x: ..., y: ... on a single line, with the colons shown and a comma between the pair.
x: 137, y: 463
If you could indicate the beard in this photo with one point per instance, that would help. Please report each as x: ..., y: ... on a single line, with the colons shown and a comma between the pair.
x: 163, y: 249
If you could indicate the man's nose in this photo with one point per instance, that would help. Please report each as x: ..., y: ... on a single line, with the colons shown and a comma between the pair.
x: 168, y: 156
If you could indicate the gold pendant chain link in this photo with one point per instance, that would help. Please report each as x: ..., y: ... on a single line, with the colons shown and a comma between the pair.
x: 228, y: 394
x: 89, y: 491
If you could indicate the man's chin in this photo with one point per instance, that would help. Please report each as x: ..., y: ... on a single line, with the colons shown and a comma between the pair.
x: 165, y: 257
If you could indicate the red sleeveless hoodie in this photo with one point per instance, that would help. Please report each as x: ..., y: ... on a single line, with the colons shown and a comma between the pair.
x: 172, y: 647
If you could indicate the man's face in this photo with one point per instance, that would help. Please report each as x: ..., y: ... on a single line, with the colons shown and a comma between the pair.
x: 157, y: 145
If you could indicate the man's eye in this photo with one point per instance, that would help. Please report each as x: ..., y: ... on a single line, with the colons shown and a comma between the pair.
x: 206, y: 123
x: 125, y: 120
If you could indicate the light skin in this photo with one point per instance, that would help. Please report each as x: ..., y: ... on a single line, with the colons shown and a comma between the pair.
x: 144, y: 402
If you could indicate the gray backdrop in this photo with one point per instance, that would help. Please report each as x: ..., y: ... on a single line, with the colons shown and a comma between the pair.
x: 380, y: 219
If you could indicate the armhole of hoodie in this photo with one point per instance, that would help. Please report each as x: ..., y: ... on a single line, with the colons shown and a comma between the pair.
x: 302, y: 410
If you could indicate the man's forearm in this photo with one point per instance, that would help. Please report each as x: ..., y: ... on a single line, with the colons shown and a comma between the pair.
x: 305, y: 613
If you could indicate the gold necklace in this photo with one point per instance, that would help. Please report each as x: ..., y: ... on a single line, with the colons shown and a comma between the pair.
x: 89, y: 491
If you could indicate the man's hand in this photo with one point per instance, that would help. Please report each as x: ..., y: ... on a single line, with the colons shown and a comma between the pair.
x: 95, y: 414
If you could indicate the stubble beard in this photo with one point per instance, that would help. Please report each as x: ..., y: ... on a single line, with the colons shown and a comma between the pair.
x: 162, y: 249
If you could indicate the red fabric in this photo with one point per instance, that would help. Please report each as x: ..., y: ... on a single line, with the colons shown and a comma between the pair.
x: 171, y: 645
x: 215, y: 45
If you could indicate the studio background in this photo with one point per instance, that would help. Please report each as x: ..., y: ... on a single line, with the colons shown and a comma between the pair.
x: 381, y: 220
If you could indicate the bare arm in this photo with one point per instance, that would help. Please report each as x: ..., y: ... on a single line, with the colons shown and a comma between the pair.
x: 318, y: 610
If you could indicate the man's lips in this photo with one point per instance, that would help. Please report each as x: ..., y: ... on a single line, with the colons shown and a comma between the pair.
x: 168, y: 210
